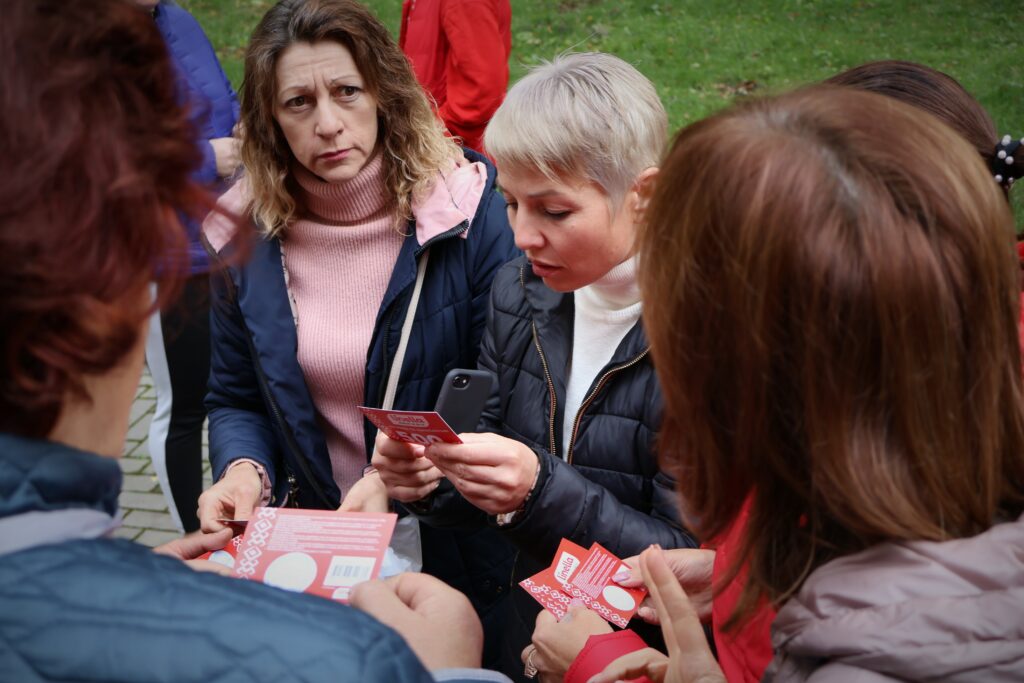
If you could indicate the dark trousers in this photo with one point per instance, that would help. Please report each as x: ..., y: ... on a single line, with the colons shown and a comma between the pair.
x: 178, y: 355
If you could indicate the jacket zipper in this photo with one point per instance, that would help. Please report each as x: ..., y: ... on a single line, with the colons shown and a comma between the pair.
x: 551, y: 389
x: 269, y: 399
x: 586, y: 403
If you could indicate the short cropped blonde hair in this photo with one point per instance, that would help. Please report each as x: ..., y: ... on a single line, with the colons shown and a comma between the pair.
x: 590, y: 115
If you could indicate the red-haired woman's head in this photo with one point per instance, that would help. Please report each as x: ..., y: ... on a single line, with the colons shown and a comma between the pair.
x: 831, y: 297
x: 96, y: 162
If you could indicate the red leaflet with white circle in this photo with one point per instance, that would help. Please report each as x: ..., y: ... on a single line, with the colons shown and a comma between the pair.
x: 422, y: 427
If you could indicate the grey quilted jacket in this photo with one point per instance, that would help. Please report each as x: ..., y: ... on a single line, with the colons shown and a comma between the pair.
x: 919, y: 611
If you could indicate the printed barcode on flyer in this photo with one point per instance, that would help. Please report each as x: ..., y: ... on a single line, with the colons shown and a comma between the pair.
x: 348, y: 570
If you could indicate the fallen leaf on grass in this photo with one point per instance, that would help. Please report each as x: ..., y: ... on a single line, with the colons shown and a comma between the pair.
x: 741, y: 88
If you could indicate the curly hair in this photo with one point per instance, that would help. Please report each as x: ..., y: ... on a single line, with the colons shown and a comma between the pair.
x: 410, y: 137
x: 98, y: 156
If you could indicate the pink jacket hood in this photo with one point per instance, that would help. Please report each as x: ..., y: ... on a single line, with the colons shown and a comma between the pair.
x: 452, y: 200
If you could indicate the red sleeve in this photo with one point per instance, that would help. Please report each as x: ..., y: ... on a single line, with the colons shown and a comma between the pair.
x: 479, y: 37
x: 744, y: 653
x: 403, y: 28
x: 602, y: 650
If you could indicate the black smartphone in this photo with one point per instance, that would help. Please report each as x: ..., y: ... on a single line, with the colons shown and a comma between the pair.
x: 463, y: 397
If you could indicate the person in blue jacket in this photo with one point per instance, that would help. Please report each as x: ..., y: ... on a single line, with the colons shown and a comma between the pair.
x: 178, y: 346
x: 76, y: 264
x: 354, y: 194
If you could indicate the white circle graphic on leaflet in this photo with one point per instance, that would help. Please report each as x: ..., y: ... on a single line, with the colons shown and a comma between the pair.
x: 292, y: 572
x: 618, y: 598
x: 222, y: 557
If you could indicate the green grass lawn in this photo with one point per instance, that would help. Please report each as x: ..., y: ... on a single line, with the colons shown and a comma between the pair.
x: 701, y: 54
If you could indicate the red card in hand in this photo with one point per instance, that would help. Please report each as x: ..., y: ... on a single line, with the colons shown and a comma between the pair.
x: 226, y: 555
x: 322, y: 552
x: 585, y: 575
x: 593, y: 584
x: 546, y: 586
x: 412, y: 426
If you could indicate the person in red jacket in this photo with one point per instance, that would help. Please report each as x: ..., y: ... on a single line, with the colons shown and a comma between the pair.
x: 459, y: 50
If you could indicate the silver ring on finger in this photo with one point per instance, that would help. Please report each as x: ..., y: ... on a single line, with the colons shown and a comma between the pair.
x: 530, y: 669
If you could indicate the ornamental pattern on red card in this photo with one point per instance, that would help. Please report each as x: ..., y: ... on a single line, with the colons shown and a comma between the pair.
x: 322, y: 552
x: 586, y: 576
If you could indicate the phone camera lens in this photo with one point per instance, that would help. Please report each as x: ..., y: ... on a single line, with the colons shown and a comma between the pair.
x: 460, y: 381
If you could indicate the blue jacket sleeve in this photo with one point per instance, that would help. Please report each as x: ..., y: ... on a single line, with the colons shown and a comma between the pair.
x: 494, y: 247
x: 445, y: 507
x: 207, y: 89
x: 239, y: 424
x: 206, y: 174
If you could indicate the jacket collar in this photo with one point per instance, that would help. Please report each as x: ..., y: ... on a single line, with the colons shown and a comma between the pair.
x: 449, y: 209
x: 404, y: 274
x: 553, y: 313
x: 451, y: 202
x: 39, y: 475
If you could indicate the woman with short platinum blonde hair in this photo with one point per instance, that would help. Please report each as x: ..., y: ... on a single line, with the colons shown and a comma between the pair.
x: 566, y: 445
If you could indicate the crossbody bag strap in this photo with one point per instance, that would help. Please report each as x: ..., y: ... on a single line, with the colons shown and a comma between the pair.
x: 403, y: 341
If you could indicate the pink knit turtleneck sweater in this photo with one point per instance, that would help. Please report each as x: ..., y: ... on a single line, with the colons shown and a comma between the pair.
x: 338, y: 260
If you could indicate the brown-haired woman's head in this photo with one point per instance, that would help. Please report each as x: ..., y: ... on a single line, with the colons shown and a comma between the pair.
x: 296, y: 114
x: 832, y: 301
x: 942, y: 96
x: 97, y: 157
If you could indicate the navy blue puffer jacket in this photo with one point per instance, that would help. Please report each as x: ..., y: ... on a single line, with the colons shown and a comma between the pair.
x: 111, y: 610
x: 261, y: 408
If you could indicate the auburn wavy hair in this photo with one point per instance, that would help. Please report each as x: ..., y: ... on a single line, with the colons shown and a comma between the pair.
x: 831, y: 293
x: 411, y: 138
x: 97, y: 159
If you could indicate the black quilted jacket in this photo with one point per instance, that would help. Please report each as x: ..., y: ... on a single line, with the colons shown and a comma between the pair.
x: 607, y: 487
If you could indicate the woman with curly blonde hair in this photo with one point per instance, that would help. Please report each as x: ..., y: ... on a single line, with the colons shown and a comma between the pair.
x: 351, y: 185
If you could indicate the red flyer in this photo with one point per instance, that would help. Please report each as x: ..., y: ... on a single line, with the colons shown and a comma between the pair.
x: 594, y: 586
x: 546, y: 586
x: 412, y: 426
x: 585, y: 575
x: 322, y: 552
x: 226, y: 555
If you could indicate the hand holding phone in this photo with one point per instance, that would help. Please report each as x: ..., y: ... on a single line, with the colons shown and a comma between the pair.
x: 463, y: 397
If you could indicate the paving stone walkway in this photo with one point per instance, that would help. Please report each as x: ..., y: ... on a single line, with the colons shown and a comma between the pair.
x: 143, y: 506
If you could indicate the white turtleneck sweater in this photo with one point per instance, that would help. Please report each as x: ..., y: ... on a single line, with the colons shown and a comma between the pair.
x: 605, y: 311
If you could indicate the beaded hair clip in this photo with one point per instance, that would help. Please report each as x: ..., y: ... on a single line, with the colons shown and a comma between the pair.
x: 1001, y: 163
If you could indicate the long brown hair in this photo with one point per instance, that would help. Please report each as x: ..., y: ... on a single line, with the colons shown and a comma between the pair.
x: 938, y: 94
x: 832, y: 302
x: 410, y: 136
